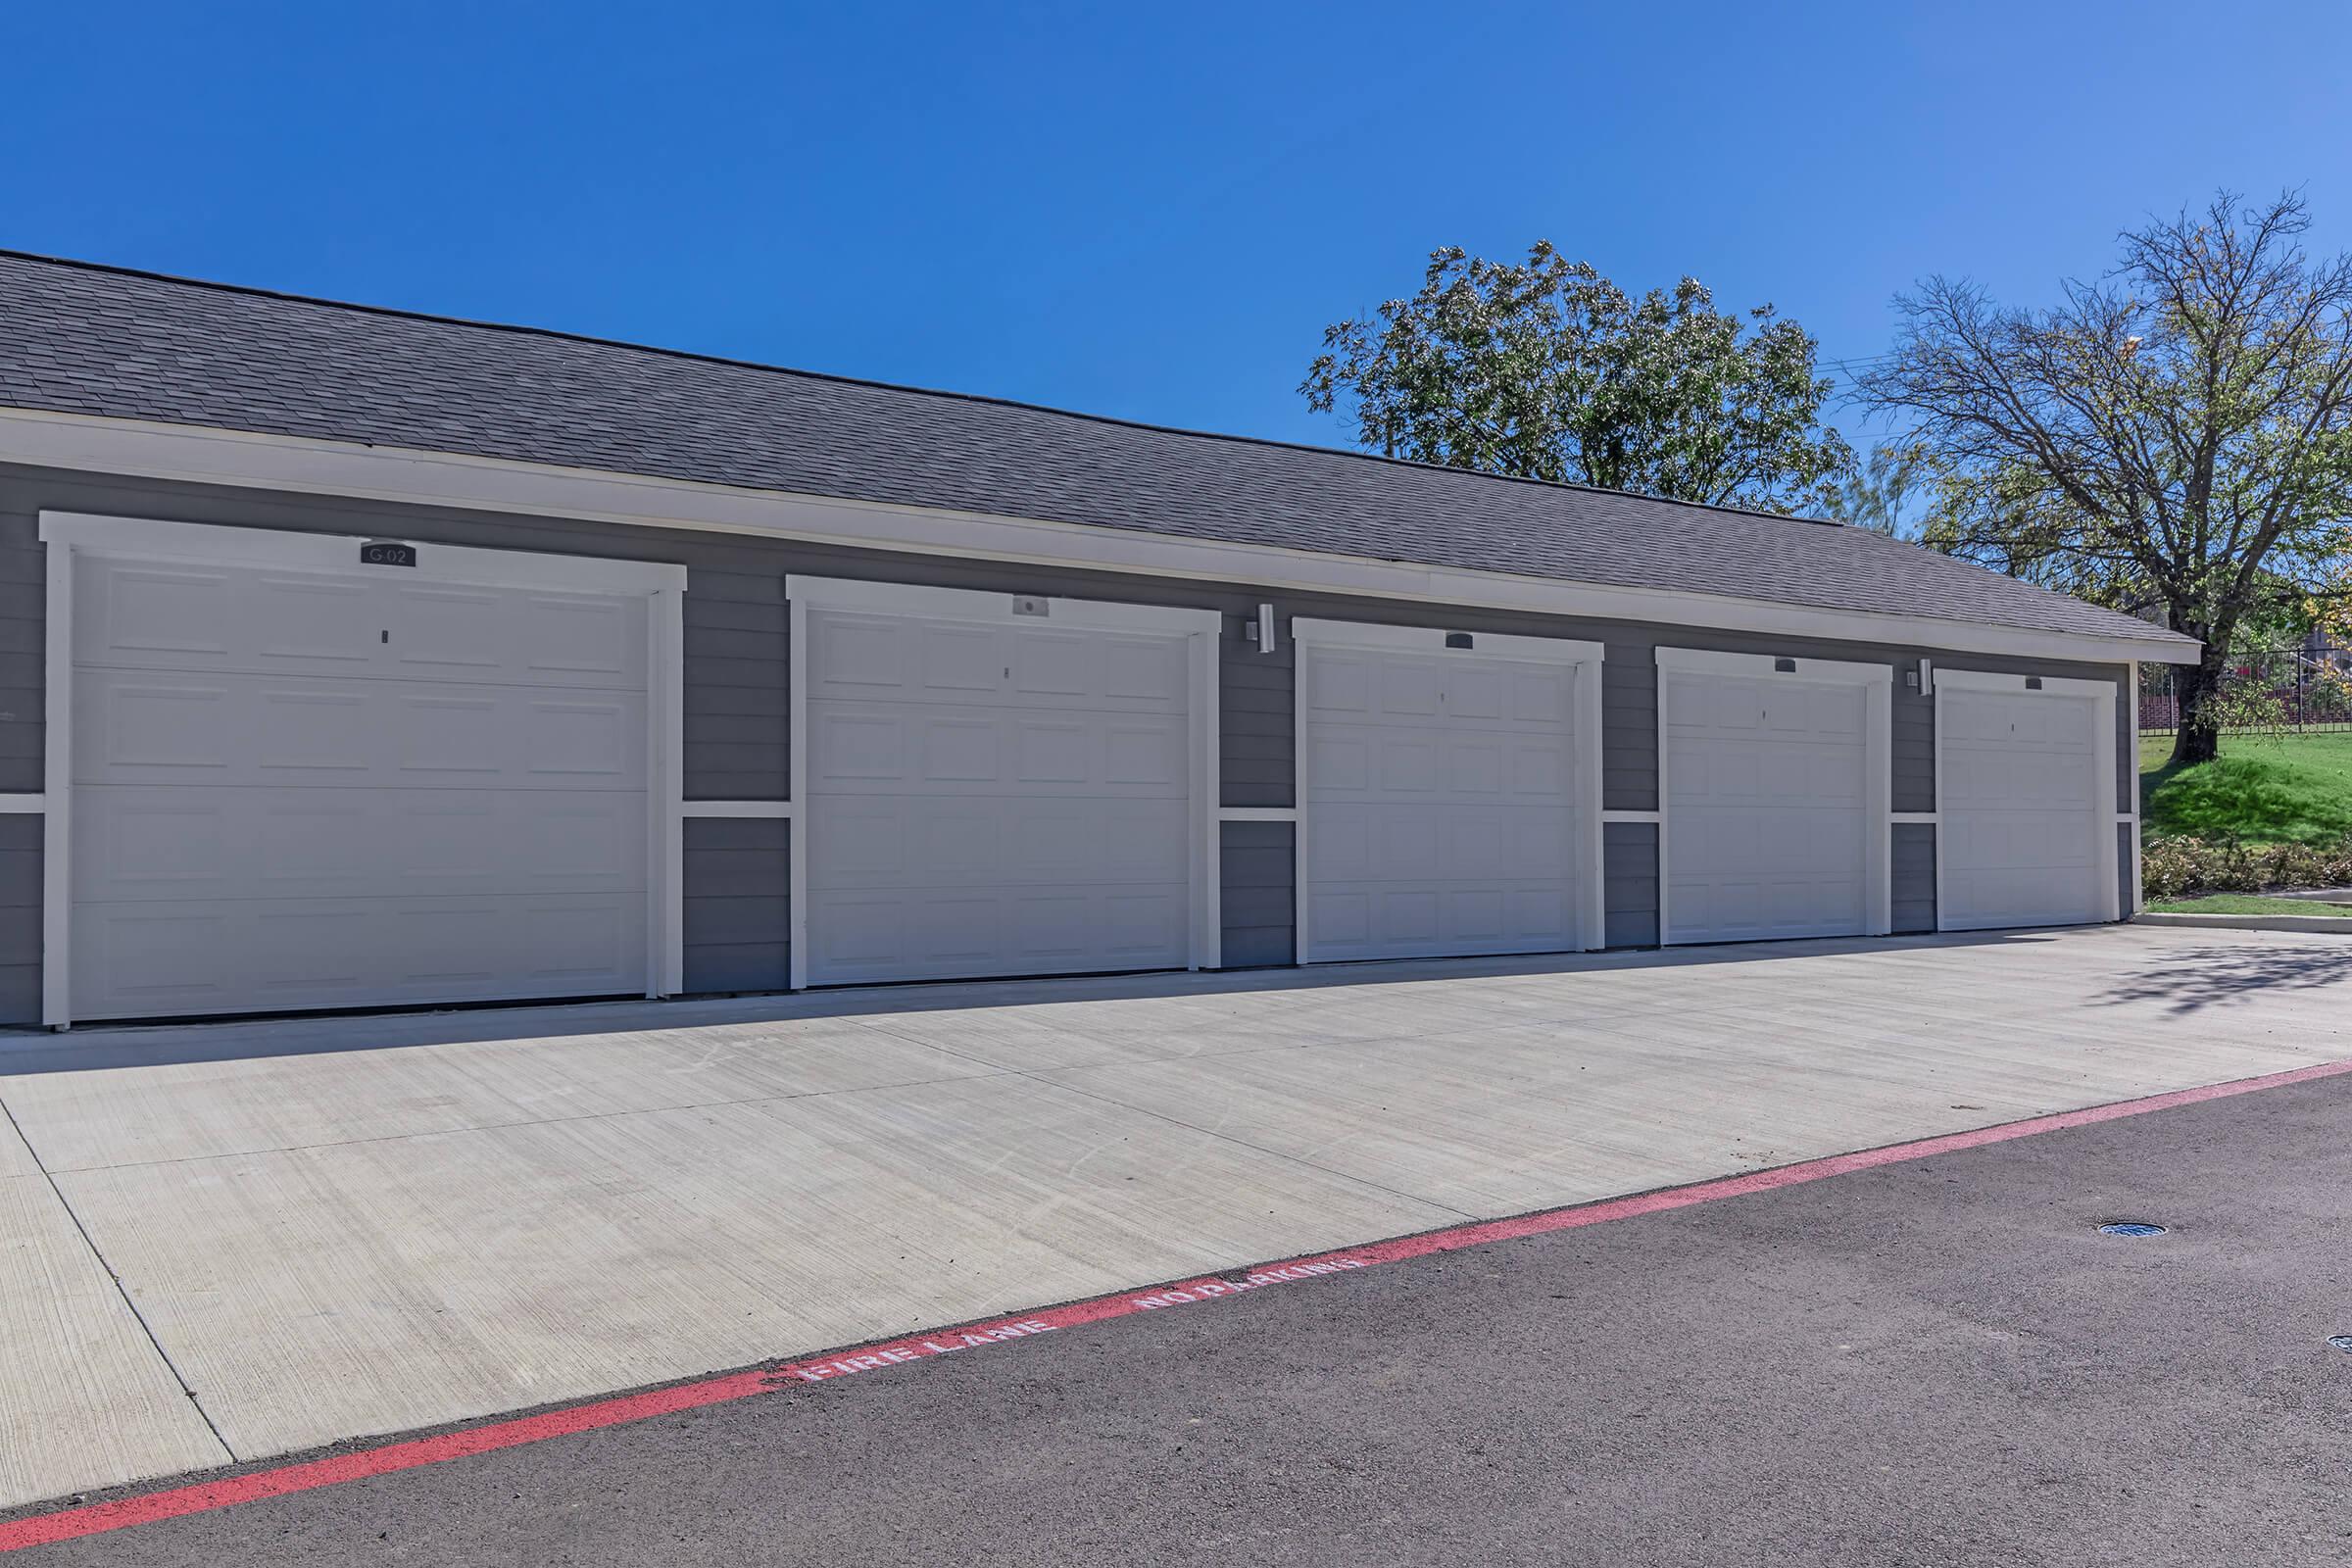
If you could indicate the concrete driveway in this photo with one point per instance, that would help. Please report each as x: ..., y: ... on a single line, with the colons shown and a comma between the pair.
x: 234, y: 1241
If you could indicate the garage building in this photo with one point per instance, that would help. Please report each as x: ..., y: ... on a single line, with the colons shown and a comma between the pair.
x: 357, y: 659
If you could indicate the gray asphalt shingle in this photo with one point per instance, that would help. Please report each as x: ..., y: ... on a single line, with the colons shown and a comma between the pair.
x: 85, y: 339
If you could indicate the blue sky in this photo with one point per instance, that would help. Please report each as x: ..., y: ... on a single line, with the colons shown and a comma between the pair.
x: 1148, y: 212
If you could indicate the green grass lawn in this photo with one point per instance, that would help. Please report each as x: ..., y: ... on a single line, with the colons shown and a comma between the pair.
x: 2262, y: 789
x: 2249, y: 903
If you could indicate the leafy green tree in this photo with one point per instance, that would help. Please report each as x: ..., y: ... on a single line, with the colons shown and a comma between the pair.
x: 1548, y: 371
x: 2174, y: 438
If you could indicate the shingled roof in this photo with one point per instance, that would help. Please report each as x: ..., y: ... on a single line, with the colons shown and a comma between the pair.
x: 79, y: 338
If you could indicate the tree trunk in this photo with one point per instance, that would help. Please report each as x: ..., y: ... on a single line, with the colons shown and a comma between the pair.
x: 2198, y: 738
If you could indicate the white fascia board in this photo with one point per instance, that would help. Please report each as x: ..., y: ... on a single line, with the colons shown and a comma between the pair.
x: 1986, y: 681
x: 1840, y: 671
x: 972, y: 604
x: 208, y: 456
x: 1432, y: 640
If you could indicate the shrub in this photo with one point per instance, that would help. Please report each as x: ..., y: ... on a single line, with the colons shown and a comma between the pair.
x: 2185, y: 868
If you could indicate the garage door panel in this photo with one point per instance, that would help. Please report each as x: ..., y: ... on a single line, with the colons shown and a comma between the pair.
x: 209, y: 843
x: 934, y: 747
x: 1441, y: 805
x: 988, y: 800
x: 1440, y: 919
x: 186, y: 617
x: 152, y: 727
x: 1767, y: 808
x: 886, y: 659
x: 1737, y: 907
x: 308, y: 790
x: 516, y: 636
x: 157, y: 959
x: 1335, y: 683
x: 913, y: 841
x: 1147, y: 754
x: 1406, y: 688
x: 984, y: 931
x: 1461, y: 763
x: 1340, y: 762
x: 1358, y: 841
x: 2022, y: 818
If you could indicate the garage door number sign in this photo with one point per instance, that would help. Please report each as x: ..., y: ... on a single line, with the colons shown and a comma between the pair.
x: 387, y: 553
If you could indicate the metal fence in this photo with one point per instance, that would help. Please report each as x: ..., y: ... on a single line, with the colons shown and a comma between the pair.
x: 2299, y: 688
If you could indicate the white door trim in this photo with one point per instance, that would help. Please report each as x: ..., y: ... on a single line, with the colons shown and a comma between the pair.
x: 1201, y: 629
x: 1433, y: 639
x: 71, y: 534
x: 973, y: 603
x: 1711, y: 661
x: 1987, y: 680
x: 57, y: 776
x: 2101, y: 694
x: 1584, y: 696
x: 1877, y: 764
x: 215, y: 545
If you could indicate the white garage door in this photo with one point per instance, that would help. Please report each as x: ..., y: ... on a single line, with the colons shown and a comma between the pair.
x: 993, y: 797
x: 299, y: 789
x: 1445, y: 798
x: 2026, y: 797
x: 1773, y: 810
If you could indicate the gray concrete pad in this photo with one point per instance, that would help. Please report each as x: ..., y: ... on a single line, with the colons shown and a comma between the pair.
x: 85, y: 1394
x: 1937, y: 1364
x: 343, y: 1227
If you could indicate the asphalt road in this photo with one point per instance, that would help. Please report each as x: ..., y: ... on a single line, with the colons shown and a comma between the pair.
x: 1938, y: 1363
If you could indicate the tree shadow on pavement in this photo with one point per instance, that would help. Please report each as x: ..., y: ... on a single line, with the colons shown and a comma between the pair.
x: 2212, y: 976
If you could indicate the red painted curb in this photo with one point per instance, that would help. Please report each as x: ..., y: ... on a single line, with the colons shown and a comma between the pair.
x: 65, y: 1524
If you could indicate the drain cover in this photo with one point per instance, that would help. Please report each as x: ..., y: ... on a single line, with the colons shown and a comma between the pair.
x: 2343, y: 1341
x: 2130, y: 1227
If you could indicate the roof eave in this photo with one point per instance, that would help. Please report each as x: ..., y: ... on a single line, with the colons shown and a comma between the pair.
x: 210, y: 455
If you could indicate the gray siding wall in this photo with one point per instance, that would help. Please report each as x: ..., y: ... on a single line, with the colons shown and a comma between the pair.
x: 1913, y: 863
x: 737, y: 683
x: 738, y: 903
x: 1256, y: 719
x: 1628, y: 854
x: 19, y: 917
x: 1629, y: 728
x: 1258, y: 868
x: 738, y: 687
x: 1914, y: 736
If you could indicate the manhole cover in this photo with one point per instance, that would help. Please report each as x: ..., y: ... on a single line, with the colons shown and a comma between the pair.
x: 2130, y: 1227
x: 2343, y: 1341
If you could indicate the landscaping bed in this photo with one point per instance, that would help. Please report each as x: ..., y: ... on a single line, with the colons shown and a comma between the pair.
x: 2272, y: 814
